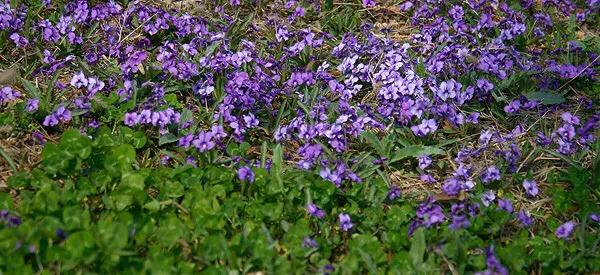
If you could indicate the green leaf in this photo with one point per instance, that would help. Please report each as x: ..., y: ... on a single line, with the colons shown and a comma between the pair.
x: 277, y: 168
x: 166, y: 139
x: 138, y: 140
x: 417, y: 247
x: 186, y: 116
x: 415, y: 151
x: 546, y: 98
x: 133, y: 181
x: 152, y: 206
x: 375, y: 142
x: 72, y: 143
x: 31, y: 88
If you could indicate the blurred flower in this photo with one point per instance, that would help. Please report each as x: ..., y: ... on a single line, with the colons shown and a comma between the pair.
x: 345, y: 222
x: 565, y: 230
x: 490, y: 174
x: 315, y: 211
x: 531, y: 187
x: 506, y: 205
x: 524, y: 218
x: 32, y: 105
x: 368, y: 3
x: 394, y: 193
x: 245, y: 173
x: 310, y: 243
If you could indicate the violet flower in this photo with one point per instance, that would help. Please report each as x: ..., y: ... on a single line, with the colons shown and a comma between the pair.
x: 506, y: 205
x: 131, y: 119
x: 315, y: 211
x: 494, y: 266
x: 531, y: 187
x: 524, y: 218
x: 245, y: 173
x: 490, y: 174
x: 424, y: 161
x: 32, y: 105
x: 345, y: 222
x: 565, y: 230
x: 488, y: 197
x: 426, y: 127
x: 79, y: 80
x: 368, y: 3
x: 310, y: 243
x: 8, y: 94
x: 394, y: 193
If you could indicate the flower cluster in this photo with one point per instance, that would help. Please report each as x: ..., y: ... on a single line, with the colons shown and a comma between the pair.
x: 8, y: 94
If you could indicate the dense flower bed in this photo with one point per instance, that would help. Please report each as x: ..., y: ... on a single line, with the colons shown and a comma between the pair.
x: 303, y: 136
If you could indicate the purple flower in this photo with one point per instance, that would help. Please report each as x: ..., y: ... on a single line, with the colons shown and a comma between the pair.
x: 245, y: 173
x: 20, y: 41
x: 218, y: 132
x: 94, y: 85
x: 524, y: 218
x: 448, y: 89
x: 38, y: 137
x: 50, y: 120
x: 332, y: 176
x: 427, y: 178
x: 191, y: 161
x: 63, y: 114
x: 426, y: 127
x: 315, y: 211
x: 595, y: 217
x: 368, y: 3
x: 424, y: 161
x: 513, y: 106
x: 8, y: 94
x: 79, y: 80
x: 299, y: 12
x: 569, y: 118
x: 488, y: 197
x: 32, y: 105
x: 429, y: 213
x: 542, y: 139
x: 250, y: 121
x: 493, y: 265
x: 394, y: 193
x: 566, y: 132
x: 131, y: 119
x: 61, y: 234
x: 565, y: 230
x: 204, y: 142
x: 490, y: 174
x: 506, y: 205
x: 345, y: 222
x: 186, y: 141
x: 531, y: 187
x: 310, y: 243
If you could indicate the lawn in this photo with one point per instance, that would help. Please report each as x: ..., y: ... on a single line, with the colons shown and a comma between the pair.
x: 274, y: 137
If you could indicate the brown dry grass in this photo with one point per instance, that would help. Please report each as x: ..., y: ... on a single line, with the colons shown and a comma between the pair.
x: 21, y: 148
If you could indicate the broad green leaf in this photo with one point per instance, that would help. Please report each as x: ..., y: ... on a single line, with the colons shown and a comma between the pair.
x: 417, y: 247
x: 166, y: 139
x: 31, y: 88
x: 415, y: 151
x: 546, y: 98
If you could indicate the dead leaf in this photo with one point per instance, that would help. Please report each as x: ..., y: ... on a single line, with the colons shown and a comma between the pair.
x: 9, y: 76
